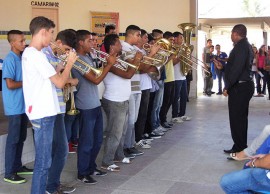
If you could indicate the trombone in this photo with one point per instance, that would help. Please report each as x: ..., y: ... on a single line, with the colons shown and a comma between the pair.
x: 121, y: 63
x: 83, y: 67
x: 192, y: 59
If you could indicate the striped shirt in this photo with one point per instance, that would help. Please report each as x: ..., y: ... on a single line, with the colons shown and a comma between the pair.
x: 54, y: 61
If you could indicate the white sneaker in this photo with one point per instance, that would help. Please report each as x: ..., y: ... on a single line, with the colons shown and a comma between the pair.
x: 157, y: 131
x: 185, y: 118
x: 141, y: 144
x: 145, y: 141
x: 162, y: 129
x: 177, y: 120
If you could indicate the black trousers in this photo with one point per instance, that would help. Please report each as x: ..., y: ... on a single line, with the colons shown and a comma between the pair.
x: 142, y: 115
x: 239, y: 97
x: 167, y: 101
x: 148, y: 125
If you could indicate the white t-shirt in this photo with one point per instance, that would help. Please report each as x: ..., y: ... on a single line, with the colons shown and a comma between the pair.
x: 39, y: 92
x: 117, y: 89
x: 145, y: 82
x: 135, y: 80
x: 178, y: 73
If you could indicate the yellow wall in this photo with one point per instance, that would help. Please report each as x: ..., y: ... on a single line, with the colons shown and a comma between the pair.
x: 147, y: 14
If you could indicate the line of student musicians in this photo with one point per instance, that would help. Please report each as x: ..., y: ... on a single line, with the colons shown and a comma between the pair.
x: 135, y: 105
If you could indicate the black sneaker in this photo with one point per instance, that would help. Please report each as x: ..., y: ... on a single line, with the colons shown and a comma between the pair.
x: 135, y: 152
x: 15, y: 179
x: 154, y: 135
x: 25, y: 171
x: 98, y: 172
x: 128, y: 154
x: 87, y: 179
x: 147, y: 137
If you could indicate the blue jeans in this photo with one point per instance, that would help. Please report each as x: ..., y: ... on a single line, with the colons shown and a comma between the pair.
x: 59, y: 153
x: 72, y: 127
x: 17, y: 131
x: 117, y: 116
x: 90, y: 139
x: 43, y: 137
x: 245, y: 181
x: 133, y: 111
x: 180, y: 99
x: 157, y: 105
x: 220, y: 76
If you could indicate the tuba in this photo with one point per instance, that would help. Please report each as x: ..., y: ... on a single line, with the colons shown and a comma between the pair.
x: 186, y: 48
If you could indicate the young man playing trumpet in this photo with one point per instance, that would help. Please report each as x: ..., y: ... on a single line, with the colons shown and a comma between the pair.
x: 65, y: 41
x: 41, y: 102
x: 133, y: 36
x: 88, y: 103
x: 115, y: 104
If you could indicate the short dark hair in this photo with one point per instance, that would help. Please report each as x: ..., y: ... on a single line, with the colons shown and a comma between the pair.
x: 11, y: 33
x: 81, y: 36
x: 208, y: 40
x: 212, y: 46
x: 167, y: 34
x: 132, y: 28
x: 67, y: 37
x: 143, y: 32
x: 93, y: 34
x: 39, y: 23
x: 108, y: 28
x: 217, y: 45
x: 109, y: 40
x: 157, y: 31
x: 150, y: 38
x: 176, y: 34
x: 240, y: 29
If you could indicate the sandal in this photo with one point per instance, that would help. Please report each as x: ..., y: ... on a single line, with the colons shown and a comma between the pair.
x: 234, y: 157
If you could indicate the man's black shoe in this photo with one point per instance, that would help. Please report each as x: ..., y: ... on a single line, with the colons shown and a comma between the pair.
x: 213, y: 92
x: 219, y: 93
x: 229, y: 151
x: 98, y: 172
x: 87, y: 179
x: 15, y: 179
x: 25, y: 171
x: 166, y: 125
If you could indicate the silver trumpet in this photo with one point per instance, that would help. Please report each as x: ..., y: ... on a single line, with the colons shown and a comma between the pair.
x: 121, y: 64
x: 82, y: 66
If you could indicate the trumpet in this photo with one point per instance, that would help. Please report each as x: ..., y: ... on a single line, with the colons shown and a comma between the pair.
x: 83, y: 67
x: 157, y: 61
x: 121, y: 64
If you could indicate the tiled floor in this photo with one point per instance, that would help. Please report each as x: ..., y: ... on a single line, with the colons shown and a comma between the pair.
x: 189, y: 159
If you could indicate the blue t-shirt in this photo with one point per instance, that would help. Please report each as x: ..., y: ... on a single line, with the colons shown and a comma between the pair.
x: 12, y: 98
x: 87, y: 96
x: 222, y: 55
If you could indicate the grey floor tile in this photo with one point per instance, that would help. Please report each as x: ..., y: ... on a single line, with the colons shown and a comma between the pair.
x: 147, y: 185
x: 193, y: 188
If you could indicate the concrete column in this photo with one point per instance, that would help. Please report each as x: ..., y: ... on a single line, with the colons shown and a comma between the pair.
x: 194, y: 41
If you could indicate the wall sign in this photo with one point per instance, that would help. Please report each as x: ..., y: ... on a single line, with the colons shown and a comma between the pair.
x: 45, y: 4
